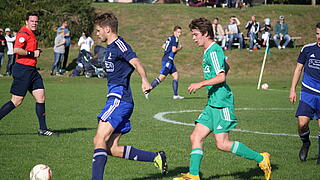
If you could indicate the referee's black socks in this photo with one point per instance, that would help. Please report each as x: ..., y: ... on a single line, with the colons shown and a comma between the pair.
x: 305, y: 138
x: 6, y: 109
x: 40, y: 110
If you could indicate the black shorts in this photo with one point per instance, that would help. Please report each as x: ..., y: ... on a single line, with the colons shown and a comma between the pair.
x: 25, y: 78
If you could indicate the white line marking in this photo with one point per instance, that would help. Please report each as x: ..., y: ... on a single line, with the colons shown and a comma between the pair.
x: 160, y: 116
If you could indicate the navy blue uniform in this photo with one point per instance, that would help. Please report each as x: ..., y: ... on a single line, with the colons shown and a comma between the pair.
x: 310, y: 93
x: 119, y: 105
x: 168, y: 66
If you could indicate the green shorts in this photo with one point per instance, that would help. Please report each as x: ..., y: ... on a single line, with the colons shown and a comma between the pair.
x: 218, y: 120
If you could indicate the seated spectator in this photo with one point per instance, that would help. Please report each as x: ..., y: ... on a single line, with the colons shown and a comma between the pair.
x: 233, y: 32
x: 196, y: 3
x: 85, y: 42
x: 234, y: 3
x: 266, y: 31
x: 281, y: 32
x: 218, y: 32
x: 253, y: 28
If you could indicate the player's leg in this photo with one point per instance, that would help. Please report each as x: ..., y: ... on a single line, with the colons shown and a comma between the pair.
x: 99, y: 161
x: 175, y: 86
x: 304, y: 133
x: 318, y: 159
x: 10, y: 105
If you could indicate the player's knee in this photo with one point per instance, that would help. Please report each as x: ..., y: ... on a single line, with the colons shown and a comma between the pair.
x: 17, y: 101
x: 222, y: 146
x: 98, y: 141
x: 194, y: 138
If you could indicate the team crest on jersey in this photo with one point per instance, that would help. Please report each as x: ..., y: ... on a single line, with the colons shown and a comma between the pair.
x: 21, y: 40
x: 206, y: 69
x: 314, y: 63
x: 313, y: 56
x: 109, y: 66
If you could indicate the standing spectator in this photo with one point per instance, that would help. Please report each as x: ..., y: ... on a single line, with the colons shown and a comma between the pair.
x: 25, y: 74
x: 266, y: 31
x: 281, y: 32
x: 11, y: 57
x: 253, y: 28
x: 233, y: 32
x: 67, y: 36
x: 59, y: 50
x: 85, y: 42
x: 3, y: 46
x: 218, y: 32
x: 308, y: 109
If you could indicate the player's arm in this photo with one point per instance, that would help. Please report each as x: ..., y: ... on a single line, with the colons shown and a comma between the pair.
x: 23, y: 52
x: 136, y: 63
x: 220, y: 78
x: 295, y: 79
x: 176, y: 49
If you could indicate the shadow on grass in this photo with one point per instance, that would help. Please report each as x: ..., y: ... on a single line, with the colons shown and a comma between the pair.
x: 73, y: 130
x: 251, y: 174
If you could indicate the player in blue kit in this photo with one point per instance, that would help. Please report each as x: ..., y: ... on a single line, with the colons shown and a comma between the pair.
x: 309, y: 106
x: 120, y: 62
x: 170, y: 50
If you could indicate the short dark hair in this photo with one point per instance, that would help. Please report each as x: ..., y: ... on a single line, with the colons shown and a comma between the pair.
x: 203, y: 25
x: 216, y: 18
x: 33, y: 13
x: 176, y: 28
x: 107, y: 19
x: 318, y: 25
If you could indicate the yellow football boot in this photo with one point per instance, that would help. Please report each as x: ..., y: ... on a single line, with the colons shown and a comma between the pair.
x: 187, y: 177
x: 265, y: 165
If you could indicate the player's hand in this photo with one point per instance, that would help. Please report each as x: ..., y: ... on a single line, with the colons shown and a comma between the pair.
x: 146, y: 87
x: 194, y: 87
x: 37, y: 53
x: 292, y: 97
x: 181, y: 46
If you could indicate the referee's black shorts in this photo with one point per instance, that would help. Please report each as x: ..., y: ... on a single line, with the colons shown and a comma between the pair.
x: 25, y: 78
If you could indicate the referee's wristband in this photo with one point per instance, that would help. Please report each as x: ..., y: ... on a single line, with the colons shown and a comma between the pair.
x: 30, y: 53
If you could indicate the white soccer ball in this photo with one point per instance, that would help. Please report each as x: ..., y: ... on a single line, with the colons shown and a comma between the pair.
x: 264, y: 86
x: 41, y: 172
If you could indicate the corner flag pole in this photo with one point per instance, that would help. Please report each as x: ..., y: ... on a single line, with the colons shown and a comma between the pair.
x: 263, y: 64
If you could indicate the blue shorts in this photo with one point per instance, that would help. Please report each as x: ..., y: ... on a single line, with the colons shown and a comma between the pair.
x: 168, y: 67
x: 25, y: 78
x: 117, y: 113
x: 309, y: 105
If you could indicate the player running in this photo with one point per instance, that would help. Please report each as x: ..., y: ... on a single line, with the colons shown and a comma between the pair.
x: 113, y: 121
x: 170, y: 50
x: 309, y: 105
x: 218, y: 115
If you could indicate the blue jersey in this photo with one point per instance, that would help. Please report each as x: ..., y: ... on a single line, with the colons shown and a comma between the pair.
x: 170, y: 42
x: 66, y: 31
x: 119, y: 70
x: 310, y: 58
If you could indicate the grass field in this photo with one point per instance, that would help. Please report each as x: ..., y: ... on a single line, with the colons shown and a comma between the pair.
x: 73, y: 103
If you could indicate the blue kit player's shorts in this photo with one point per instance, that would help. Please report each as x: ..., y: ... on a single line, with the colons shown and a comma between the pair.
x: 168, y: 67
x: 25, y: 78
x: 309, y: 105
x: 117, y: 113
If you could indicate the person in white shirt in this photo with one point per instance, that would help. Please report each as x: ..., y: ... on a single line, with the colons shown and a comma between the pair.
x: 85, y: 42
x: 11, y: 57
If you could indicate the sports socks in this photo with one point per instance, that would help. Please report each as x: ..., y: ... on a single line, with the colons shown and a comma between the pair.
x: 155, y: 82
x: 242, y: 150
x: 305, y: 138
x: 40, y: 111
x: 98, y: 163
x: 175, y: 87
x: 6, y: 109
x: 319, y: 145
x: 195, y: 161
x: 132, y: 153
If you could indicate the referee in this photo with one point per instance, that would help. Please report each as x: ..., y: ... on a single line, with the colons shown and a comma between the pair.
x: 25, y: 75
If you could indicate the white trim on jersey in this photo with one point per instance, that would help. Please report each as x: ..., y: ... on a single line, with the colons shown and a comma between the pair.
x: 312, y: 89
x: 226, y: 114
x: 114, y: 94
x: 215, y: 63
x: 111, y: 109
x: 121, y: 45
x: 308, y: 45
x: 209, y: 47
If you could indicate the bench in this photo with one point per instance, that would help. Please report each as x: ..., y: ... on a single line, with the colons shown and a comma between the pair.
x: 272, y: 44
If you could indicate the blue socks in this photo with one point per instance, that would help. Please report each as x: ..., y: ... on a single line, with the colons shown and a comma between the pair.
x: 6, y: 109
x: 40, y: 111
x: 98, y: 163
x: 155, y: 82
x: 132, y: 153
x: 175, y: 87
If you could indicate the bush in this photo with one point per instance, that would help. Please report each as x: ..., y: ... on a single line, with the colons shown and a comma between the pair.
x: 79, y: 15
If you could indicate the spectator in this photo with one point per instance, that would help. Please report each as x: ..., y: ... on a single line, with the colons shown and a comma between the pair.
x: 281, y: 32
x: 59, y: 50
x: 218, y: 32
x: 85, y: 42
x: 266, y: 31
x: 3, y: 45
x: 11, y: 57
x: 253, y: 28
x: 233, y: 32
x: 64, y: 26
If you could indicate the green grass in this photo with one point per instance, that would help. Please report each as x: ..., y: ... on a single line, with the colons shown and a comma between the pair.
x: 73, y: 103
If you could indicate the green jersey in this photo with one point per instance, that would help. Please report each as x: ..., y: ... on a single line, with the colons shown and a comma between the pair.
x: 213, y: 63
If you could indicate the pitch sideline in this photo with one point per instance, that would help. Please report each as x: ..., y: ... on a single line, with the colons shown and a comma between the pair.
x: 160, y: 116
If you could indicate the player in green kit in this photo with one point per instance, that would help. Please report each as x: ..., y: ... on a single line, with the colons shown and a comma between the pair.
x: 218, y: 115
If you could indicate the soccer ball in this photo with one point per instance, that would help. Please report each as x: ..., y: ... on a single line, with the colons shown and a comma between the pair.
x: 264, y: 86
x: 40, y: 172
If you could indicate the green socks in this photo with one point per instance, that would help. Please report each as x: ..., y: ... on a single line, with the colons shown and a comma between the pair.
x: 195, y: 161
x: 243, y: 151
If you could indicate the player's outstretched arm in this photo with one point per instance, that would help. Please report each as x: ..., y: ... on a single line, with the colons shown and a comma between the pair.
x: 295, y: 79
x: 220, y: 78
x: 136, y: 63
